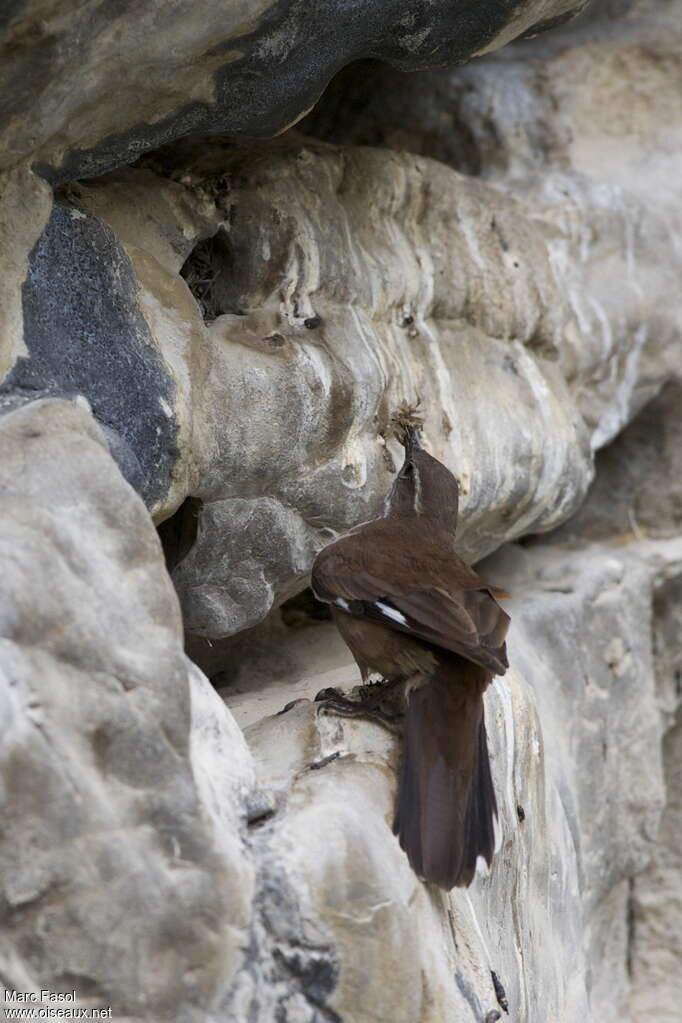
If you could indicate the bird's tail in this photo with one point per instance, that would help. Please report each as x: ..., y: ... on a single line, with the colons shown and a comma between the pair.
x: 445, y: 808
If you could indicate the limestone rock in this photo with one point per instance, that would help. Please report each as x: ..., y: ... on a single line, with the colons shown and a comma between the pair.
x: 318, y: 396
x: 636, y: 491
x: 227, y: 327
x: 25, y: 204
x: 310, y: 921
x: 104, y: 352
x: 326, y: 281
x: 583, y: 128
x: 335, y: 282
x: 124, y: 873
x: 655, y: 915
x: 579, y: 705
x: 98, y: 86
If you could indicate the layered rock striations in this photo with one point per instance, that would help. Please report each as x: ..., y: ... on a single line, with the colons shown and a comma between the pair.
x: 212, y: 340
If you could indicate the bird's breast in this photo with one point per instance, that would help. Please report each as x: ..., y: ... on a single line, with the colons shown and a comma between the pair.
x: 378, y: 648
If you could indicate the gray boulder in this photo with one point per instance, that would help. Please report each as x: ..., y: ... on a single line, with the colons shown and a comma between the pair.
x: 213, y: 340
x: 102, y: 85
x: 124, y: 873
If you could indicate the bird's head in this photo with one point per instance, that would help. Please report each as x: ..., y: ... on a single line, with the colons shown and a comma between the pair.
x: 424, y: 486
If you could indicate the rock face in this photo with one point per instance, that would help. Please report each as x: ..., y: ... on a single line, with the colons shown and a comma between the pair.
x: 307, y: 920
x: 276, y: 302
x: 213, y: 340
x: 76, y: 255
x: 102, y: 85
x: 310, y: 347
x: 123, y: 873
x: 551, y: 919
x: 318, y: 346
x: 655, y: 917
x: 581, y: 131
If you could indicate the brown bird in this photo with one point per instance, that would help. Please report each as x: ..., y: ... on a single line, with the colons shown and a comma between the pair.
x: 410, y: 609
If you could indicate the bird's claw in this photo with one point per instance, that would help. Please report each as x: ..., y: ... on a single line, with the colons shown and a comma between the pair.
x: 356, y: 709
x: 330, y: 693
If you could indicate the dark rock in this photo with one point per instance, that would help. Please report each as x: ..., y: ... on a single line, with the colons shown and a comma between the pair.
x: 230, y: 74
x: 85, y: 335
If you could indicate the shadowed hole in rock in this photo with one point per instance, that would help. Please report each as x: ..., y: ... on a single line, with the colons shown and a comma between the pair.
x: 209, y: 271
x: 636, y: 489
x: 178, y: 533
x: 259, y: 669
x: 365, y: 104
x: 304, y: 609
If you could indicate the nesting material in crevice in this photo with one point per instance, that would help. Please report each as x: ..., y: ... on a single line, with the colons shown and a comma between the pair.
x: 208, y: 271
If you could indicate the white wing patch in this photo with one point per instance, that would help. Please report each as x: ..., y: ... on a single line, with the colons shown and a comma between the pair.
x: 342, y: 603
x: 390, y: 612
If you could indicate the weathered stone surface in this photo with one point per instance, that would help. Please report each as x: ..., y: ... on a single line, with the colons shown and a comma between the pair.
x: 636, y: 477
x: 103, y: 350
x: 579, y: 705
x: 84, y: 311
x: 656, y: 913
x: 499, y: 310
x: 655, y: 909
x: 114, y: 734
x: 101, y: 85
x: 123, y: 872
x: 321, y: 397
x: 533, y: 304
x: 583, y: 128
x: 637, y: 489
x: 333, y: 296
x: 25, y: 203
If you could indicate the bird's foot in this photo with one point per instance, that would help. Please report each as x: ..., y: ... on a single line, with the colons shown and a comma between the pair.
x: 330, y: 693
x: 373, y: 683
x: 332, y: 700
x: 372, y: 693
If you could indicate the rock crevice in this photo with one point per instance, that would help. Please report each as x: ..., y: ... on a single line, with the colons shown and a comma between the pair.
x: 212, y: 340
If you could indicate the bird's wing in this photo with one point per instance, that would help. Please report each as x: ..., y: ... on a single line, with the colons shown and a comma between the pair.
x: 436, y: 599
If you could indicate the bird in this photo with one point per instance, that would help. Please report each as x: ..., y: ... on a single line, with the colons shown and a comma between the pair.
x: 411, y: 610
